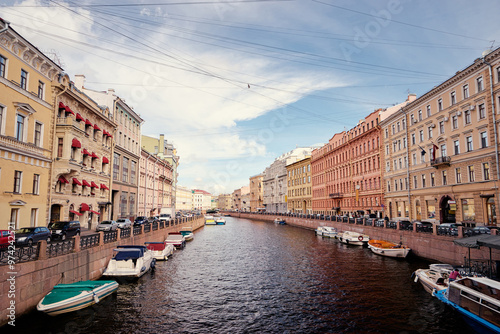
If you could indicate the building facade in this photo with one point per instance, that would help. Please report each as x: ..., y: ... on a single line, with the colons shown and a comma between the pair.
x: 453, y: 149
x: 126, y: 154
x: 299, y: 186
x: 183, y: 198
x: 27, y: 118
x: 224, y: 201
x: 202, y: 200
x: 256, y: 193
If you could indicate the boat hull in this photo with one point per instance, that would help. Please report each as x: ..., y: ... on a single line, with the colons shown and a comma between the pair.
x: 81, y: 301
x: 428, y: 282
x: 389, y: 249
x: 353, y: 238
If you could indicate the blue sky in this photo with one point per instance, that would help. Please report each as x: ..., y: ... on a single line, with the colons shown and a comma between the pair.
x: 234, y: 84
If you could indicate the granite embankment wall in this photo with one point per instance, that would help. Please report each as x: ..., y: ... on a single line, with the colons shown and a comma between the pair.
x: 27, y: 283
x: 433, y: 247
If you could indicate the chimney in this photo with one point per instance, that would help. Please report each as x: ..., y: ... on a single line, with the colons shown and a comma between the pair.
x: 79, y: 81
x: 161, y: 146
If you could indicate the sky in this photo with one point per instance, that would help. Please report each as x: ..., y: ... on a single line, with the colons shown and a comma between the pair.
x: 234, y: 84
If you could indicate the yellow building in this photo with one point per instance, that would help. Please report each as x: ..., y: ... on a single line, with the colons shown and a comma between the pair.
x: 299, y: 186
x: 224, y: 202
x: 26, y: 120
x: 256, y: 193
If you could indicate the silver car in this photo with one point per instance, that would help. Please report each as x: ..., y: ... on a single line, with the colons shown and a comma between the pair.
x: 124, y: 223
x: 107, y: 225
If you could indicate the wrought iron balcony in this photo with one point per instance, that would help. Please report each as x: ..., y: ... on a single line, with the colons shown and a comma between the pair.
x: 336, y: 195
x: 441, y: 161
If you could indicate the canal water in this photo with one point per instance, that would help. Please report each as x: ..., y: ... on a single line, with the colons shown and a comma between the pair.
x: 259, y: 277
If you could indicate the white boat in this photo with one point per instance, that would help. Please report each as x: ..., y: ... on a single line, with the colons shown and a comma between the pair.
x: 279, y: 221
x: 160, y: 250
x: 187, y: 232
x: 435, y: 278
x: 353, y: 238
x: 386, y: 248
x: 477, y: 299
x: 130, y: 262
x: 66, y: 298
x: 176, y: 239
x: 220, y: 221
x: 326, y: 231
x: 209, y: 220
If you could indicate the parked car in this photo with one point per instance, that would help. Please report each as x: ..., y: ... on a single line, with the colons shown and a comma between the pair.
x: 448, y: 228
x: 124, y: 223
x: 64, y: 229
x: 477, y: 230
x: 5, y: 237
x: 165, y: 217
x: 30, y: 235
x: 140, y: 220
x: 425, y: 227
x: 107, y: 225
x: 405, y: 225
x: 151, y: 219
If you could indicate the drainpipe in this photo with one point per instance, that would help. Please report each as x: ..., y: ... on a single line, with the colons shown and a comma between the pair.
x: 7, y: 23
x: 494, y: 128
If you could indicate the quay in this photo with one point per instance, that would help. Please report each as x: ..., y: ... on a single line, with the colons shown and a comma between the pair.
x: 428, y: 244
x: 37, y: 269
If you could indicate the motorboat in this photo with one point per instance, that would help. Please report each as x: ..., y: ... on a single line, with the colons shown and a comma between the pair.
x: 187, y: 232
x: 160, y: 250
x: 386, y: 248
x: 65, y: 298
x: 220, y: 221
x: 326, y: 231
x: 477, y: 299
x: 279, y: 221
x: 210, y: 220
x: 176, y: 239
x: 435, y: 278
x: 130, y: 261
x: 353, y: 238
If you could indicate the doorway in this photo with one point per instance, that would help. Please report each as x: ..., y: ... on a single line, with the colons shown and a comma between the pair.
x: 447, y: 210
x: 491, y: 211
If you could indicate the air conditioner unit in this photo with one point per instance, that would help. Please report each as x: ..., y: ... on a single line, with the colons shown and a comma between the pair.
x: 446, y: 119
x: 433, y: 125
x: 459, y: 113
x: 472, y: 107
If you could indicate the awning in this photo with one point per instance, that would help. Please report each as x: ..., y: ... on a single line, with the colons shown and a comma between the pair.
x: 105, y: 160
x: 68, y: 110
x: 97, y: 213
x: 104, y: 132
x: 62, y: 179
x: 76, y: 212
x: 103, y: 186
x: 94, y: 156
x: 87, y: 122
x: 85, y: 183
x: 491, y: 241
x: 75, y: 181
x: 84, y: 207
x: 93, y: 184
x: 96, y: 127
x: 76, y: 143
x: 61, y: 105
x: 85, y: 152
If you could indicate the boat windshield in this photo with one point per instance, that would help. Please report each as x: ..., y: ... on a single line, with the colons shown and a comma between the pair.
x: 127, y: 254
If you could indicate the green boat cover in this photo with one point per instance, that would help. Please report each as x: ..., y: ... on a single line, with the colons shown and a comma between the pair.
x: 66, y: 291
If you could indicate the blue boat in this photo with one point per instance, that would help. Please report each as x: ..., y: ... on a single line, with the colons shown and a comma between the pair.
x: 477, y: 299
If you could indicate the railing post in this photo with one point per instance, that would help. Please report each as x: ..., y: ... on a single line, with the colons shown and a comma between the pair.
x: 42, y: 250
x: 398, y: 225
x: 77, y: 247
x: 434, y: 229
x: 119, y: 234
x: 101, y: 238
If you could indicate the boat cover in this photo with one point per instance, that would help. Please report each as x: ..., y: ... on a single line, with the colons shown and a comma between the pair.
x: 491, y: 241
x: 155, y: 246
x: 66, y: 291
x: 127, y: 254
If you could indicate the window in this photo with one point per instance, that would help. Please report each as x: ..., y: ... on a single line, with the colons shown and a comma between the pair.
x: 471, y: 173
x: 24, y: 79
x: 421, y: 135
x: 386, y: 149
x: 398, y: 126
x: 387, y: 166
x: 20, y: 127
x: 453, y: 97
x: 468, y: 210
x: 414, y: 158
x: 17, y: 181
x: 404, y: 142
x: 393, y: 129
x: 420, y: 115
x: 458, y: 175
x: 125, y: 169
x: 429, y: 108
x: 423, y: 181
x: 412, y: 119
x: 486, y: 171
x: 468, y: 141
x: 116, y: 166
x: 38, y: 135
x: 479, y: 83
x: 433, y: 180
x: 429, y: 130
x: 34, y: 217
x: 132, y: 172
x: 2, y: 114
x: 443, y: 150
x: 445, y: 180
x: 484, y: 139
x: 466, y: 91
x: 482, y: 111
x: 467, y: 116
x: 14, y: 217
x: 41, y: 87
x: 413, y: 139
x: 388, y: 186
x: 415, y: 185
x: 36, y: 184
x: 454, y: 122
x: 386, y: 133
x: 395, y: 185
x: 60, y: 145
x: 456, y: 147
x: 3, y: 64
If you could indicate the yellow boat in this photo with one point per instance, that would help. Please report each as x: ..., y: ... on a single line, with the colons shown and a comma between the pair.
x: 386, y: 248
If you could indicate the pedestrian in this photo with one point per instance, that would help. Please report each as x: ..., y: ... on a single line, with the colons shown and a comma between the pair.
x: 454, y: 275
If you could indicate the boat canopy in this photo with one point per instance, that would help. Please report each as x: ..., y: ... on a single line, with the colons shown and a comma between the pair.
x: 155, y: 246
x: 128, y: 254
x: 491, y: 241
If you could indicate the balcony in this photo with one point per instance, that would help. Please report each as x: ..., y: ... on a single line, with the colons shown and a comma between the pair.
x: 25, y: 148
x: 441, y: 161
x: 336, y: 195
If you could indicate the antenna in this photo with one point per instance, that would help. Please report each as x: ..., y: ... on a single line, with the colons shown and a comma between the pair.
x: 54, y: 56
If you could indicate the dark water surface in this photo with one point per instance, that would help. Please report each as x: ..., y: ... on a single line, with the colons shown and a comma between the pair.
x: 258, y: 277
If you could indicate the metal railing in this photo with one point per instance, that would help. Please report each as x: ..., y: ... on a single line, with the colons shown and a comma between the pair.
x: 125, y: 233
x: 19, y: 254
x: 137, y: 230
x: 89, y: 241
x: 110, y: 236
x: 60, y: 248
x: 147, y: 228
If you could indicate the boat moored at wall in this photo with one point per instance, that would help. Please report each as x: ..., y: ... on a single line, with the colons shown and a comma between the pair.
x: 386, y: 248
